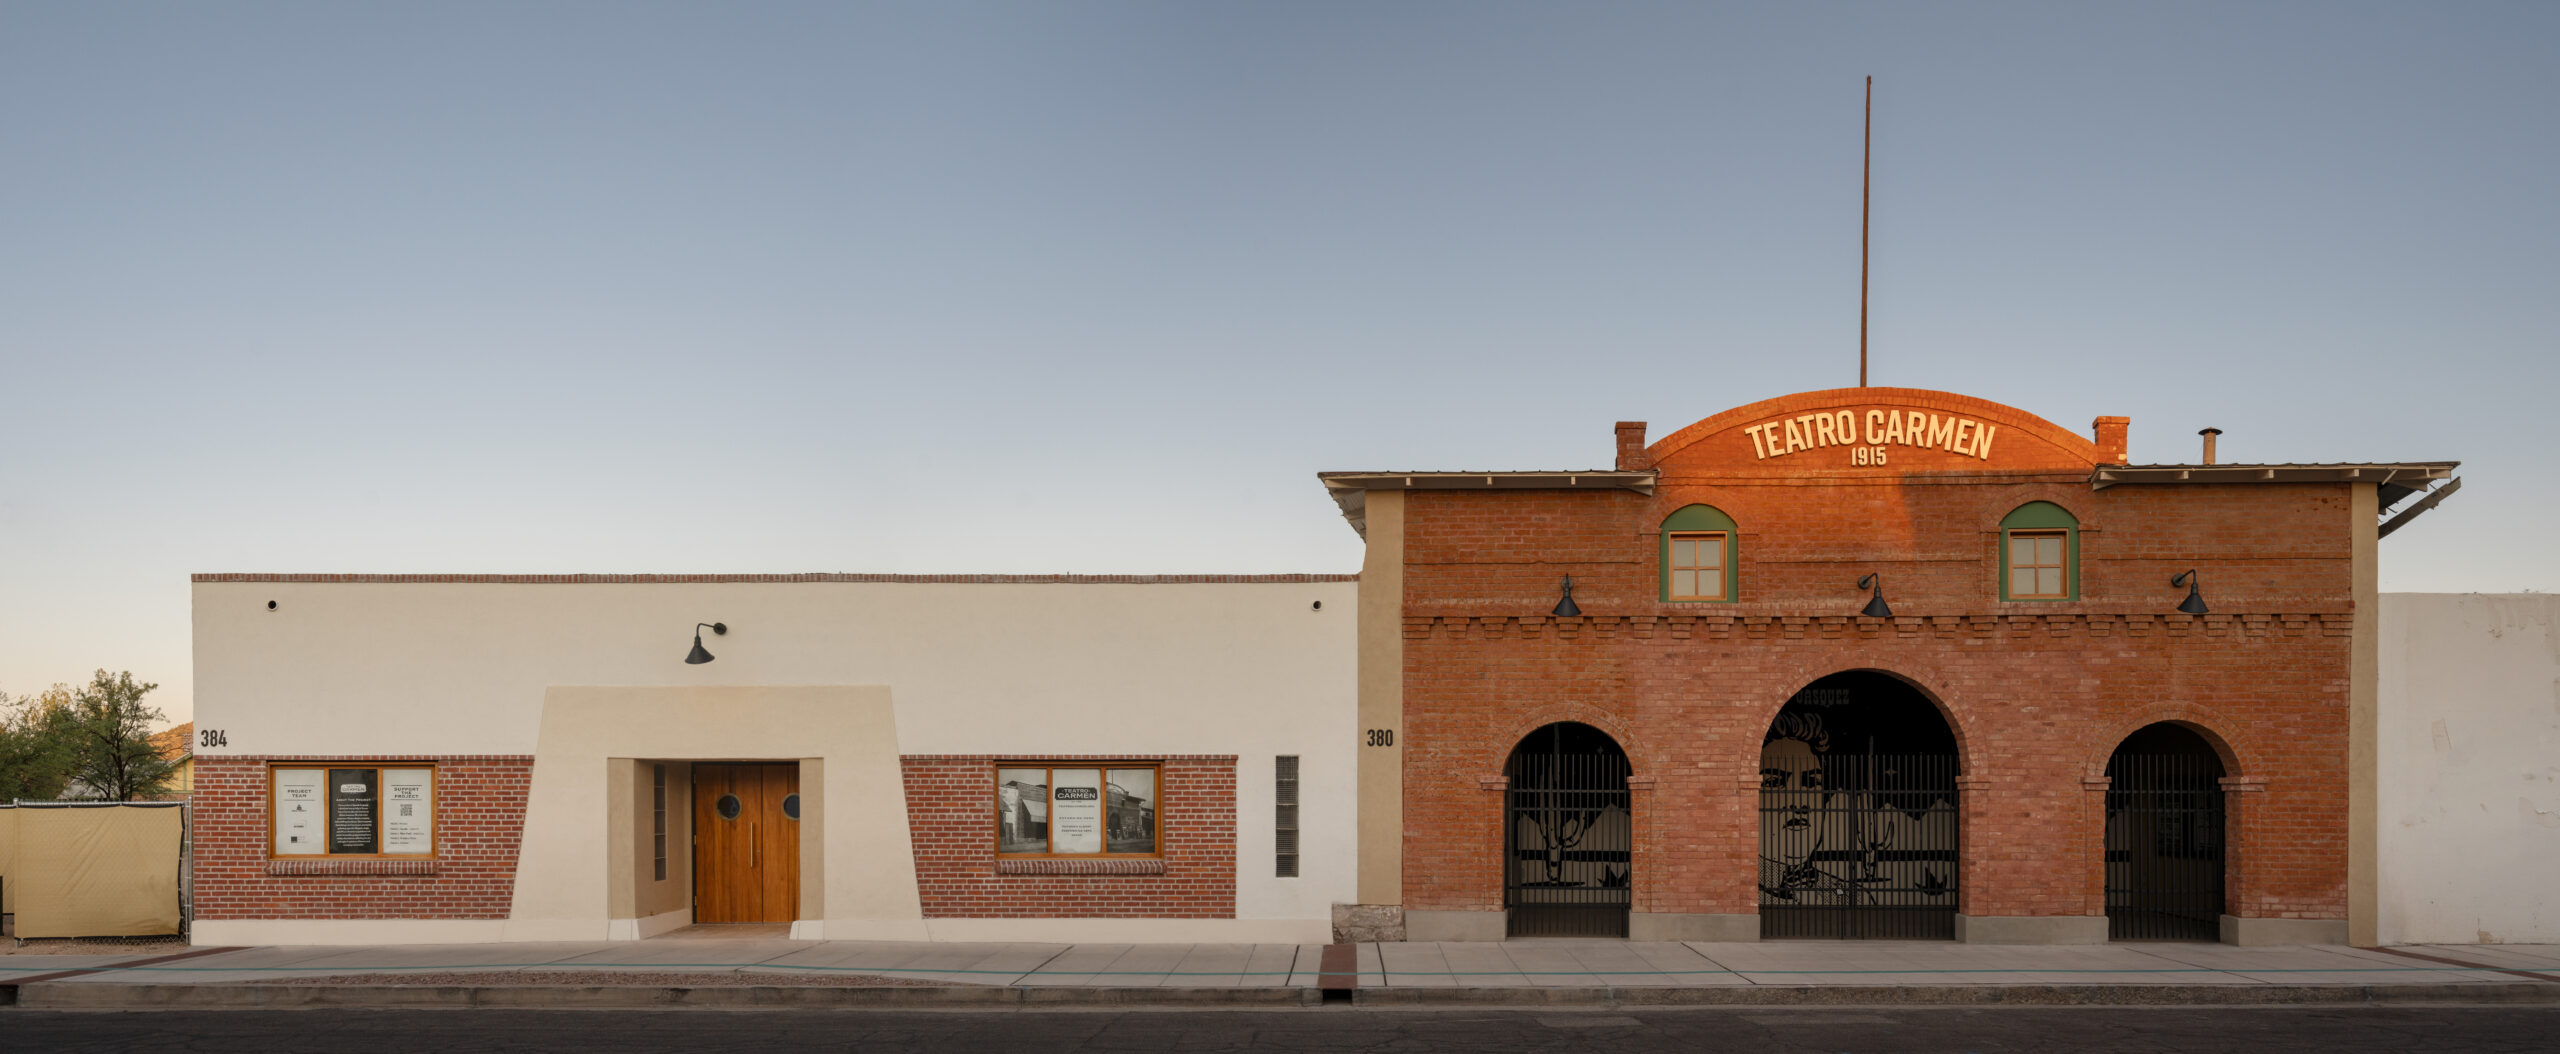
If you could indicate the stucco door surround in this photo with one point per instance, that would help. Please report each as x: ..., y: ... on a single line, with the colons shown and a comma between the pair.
x: 852, y: 801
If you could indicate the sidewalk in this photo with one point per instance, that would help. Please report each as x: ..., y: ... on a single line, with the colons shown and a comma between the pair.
x: 1544, y: 972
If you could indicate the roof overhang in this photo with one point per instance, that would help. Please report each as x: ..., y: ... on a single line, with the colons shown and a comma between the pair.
x: 2408, y: 478
x: 1350, y: 490
x: 2393, y: 484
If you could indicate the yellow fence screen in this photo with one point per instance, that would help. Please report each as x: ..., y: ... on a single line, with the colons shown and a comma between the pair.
x: 95, y: 871
x: 8, y: 853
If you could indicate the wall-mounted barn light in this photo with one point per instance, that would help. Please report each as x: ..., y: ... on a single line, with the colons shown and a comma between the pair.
x: 2194, y: 603
x: 1875, y: 601
x: 1566, y: 608
x: 700, y: 656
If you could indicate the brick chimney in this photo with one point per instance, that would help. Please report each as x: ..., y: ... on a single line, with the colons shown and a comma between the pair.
x: 2111, y: 440
x: 1631, y: 454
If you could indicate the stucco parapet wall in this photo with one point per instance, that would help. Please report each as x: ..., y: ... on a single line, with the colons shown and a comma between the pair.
x: 1463, y: 626
x: 1070, y: 757
x: 826, y: 576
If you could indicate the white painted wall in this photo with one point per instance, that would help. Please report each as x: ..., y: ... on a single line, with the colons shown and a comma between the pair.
x: 2470, y: 759
x: 1027, y: 669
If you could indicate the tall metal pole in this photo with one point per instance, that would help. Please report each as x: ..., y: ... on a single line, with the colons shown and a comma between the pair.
x: 1866, y: 181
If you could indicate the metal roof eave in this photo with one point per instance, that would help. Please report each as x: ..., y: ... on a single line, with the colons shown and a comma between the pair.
x: 1350, y: 490
x: 2401, y: 475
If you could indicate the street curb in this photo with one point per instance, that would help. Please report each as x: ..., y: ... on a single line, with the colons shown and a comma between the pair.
x: 115, y: 996
x: 1971, y: 995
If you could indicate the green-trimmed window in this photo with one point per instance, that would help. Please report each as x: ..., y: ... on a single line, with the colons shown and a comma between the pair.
x: 1698, y: 555
x: 2039, y: 553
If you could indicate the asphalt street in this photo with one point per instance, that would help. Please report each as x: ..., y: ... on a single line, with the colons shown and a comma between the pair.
x: 2328, y: 1030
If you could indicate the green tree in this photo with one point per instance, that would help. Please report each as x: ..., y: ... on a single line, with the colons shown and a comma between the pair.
x: 113, y: 759
x: 36, y: 749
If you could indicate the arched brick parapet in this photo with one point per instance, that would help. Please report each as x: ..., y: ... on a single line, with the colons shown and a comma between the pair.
x: 2052, y: 445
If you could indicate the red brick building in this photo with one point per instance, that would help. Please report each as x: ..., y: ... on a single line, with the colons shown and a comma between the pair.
x: 1870, y: 662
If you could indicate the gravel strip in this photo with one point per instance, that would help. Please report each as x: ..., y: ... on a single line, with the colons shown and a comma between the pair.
x: 617, y: 979
x: 93, y: 946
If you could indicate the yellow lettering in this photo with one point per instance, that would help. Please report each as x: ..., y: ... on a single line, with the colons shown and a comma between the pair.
x: 1758, y: 451
x: 1795, y: 439
x: 1822, y: 433
x: 1892, y: 428
x: 1942, y: 432
x: 1807, y: 421
x: 1848, y: 427
x: 1964, y: 438
x: 1982, y: 443
x: 1918, y: 433
x: 1875, y: 427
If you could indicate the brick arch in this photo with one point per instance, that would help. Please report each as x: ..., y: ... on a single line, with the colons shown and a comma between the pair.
x: 1767, y: 714
x: 2074, y: 498
x: 2197, y: 719
x: 1638, y: 764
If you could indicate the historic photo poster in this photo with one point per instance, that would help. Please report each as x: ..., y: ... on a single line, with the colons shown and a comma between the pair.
x: 1022, y: 810
x: 302, y: 815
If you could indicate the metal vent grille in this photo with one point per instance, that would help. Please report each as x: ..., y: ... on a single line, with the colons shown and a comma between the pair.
x: 658, y: 819
x: 1284, y: 815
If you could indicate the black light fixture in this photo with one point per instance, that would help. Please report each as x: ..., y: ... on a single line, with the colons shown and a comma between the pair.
x: 1566, y: 608
x: 700, y: 656
x: 1875, y: 601
x: 2194, y: 603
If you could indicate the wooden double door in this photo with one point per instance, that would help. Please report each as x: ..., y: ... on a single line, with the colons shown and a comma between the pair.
x: 746, y: 842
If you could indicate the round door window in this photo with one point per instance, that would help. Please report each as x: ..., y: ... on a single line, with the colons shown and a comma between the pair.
x: 728, y: 806
x: 791, y: 806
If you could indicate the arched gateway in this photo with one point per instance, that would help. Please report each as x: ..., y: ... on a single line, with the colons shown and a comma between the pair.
x: 1568, y: 840
x: 1858, y: 813
x: 2164, y: 837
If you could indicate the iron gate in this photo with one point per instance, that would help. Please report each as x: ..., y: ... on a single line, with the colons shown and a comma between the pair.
x: 2164, y: 847
x: 1859, y: 846
x: 1567, y: 836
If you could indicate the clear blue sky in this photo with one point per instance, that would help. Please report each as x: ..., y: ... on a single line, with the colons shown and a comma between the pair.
x: 1098, y: 287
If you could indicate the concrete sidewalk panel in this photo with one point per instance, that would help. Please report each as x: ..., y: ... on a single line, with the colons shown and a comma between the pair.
x: 1271, y: 966
x: 1080, y: 964
x: 1415, y: 964
x: 1481, y: 964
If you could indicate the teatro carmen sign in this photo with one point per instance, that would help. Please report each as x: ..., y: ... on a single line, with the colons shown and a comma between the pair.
x: 1870, y: 434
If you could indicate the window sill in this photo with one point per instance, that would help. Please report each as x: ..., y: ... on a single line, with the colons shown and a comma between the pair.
x: 351, y: 867
x: 1080, y: 867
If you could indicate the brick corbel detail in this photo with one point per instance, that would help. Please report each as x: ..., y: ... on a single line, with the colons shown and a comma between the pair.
x: 1602, y: 628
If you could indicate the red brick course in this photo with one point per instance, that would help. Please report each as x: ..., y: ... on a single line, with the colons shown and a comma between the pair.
x: 951, y: 818
x: 480, y: 817
x: 480, y: 802
x: 2038, y: 693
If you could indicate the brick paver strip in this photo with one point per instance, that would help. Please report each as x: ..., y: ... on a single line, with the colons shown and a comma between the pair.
x: 1339, y: 968
x: 2477, y: 966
